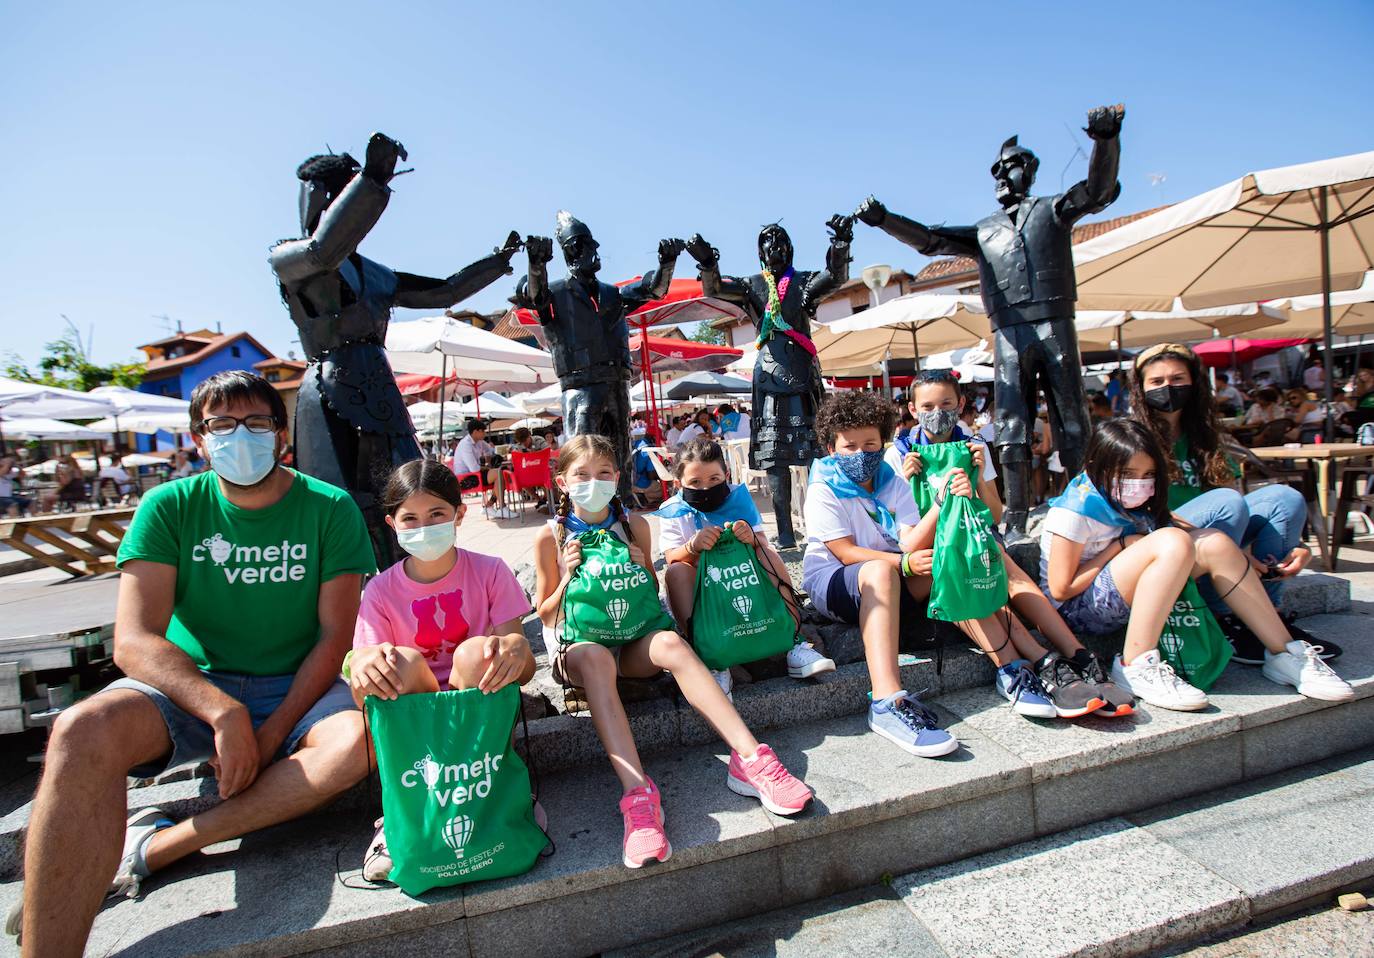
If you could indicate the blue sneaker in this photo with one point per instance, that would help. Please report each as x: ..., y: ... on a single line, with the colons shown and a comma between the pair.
x: 1021, y: 687
x: 903, y: 720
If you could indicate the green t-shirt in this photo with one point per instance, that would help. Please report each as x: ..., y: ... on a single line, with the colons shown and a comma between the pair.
x: 1190, y: 487
x: 248, y: 580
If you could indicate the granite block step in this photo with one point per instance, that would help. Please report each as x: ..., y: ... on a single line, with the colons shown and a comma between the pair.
x: 1125, y: 886
x: 878, y: 812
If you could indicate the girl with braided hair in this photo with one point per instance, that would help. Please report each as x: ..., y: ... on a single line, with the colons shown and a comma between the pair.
x: 587, y: 478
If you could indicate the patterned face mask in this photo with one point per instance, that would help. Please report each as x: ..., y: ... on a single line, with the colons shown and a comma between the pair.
x: 859, y: 467
x: 937, y: 422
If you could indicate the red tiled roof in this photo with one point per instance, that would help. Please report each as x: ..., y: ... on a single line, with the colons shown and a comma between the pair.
x: 270, y: 361
x: 962, y: 266
x: 156, y: 367
x: 510, y: 327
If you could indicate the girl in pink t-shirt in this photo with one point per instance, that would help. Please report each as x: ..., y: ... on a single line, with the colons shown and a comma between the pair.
x: 443, y: 618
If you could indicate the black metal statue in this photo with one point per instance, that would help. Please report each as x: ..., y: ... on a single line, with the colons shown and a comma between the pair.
x: 1025, y: 267
x: 584, y: 323
x: 351, y: 424
x: 787, y: 376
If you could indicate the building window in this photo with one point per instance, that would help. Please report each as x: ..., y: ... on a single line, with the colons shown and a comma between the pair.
x: 273, y: 376
x: 234, y: 351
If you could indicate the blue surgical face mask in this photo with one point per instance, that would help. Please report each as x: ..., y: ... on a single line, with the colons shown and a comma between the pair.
x: 859, y: 467
x: 428, y: 543
x: 242, y: 458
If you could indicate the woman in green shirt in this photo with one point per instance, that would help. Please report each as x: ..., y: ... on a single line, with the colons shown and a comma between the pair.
x: 1172, y: 397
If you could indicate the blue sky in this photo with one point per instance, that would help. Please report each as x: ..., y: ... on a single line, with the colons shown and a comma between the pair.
x: 150, y: 148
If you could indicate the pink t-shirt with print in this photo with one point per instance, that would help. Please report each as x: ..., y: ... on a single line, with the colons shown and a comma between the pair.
x: 479, y: 592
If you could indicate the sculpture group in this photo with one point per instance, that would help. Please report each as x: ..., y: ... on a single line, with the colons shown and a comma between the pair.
x: 352, y: 427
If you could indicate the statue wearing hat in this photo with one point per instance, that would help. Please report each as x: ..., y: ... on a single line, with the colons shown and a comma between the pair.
x: 584, y: 324
x: 787, y: 389
x: 1025, y: 268
x: 351, y: 426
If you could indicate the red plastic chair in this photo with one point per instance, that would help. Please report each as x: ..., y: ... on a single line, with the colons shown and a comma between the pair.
x: 531, y: 470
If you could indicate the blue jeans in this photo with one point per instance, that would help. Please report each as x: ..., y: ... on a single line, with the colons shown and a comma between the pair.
x: 1268, y: 520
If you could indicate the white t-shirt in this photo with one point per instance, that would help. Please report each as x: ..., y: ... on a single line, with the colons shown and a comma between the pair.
x: 1229, y: 395
x: 674, y: 533
x: 1094, y: 535
x: 674, y: 435
x: 1314, y: 377
x: 468, y: 456
x: 829, y: 517
x: 893, y: 457
x: 689, y: 433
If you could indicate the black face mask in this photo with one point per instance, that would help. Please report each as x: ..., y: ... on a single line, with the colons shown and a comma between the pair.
x: 709, y: 499
x: 1169, y: 398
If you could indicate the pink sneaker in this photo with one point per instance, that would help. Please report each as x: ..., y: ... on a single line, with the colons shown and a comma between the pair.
x: 764, y: 778
x: 644, y: 836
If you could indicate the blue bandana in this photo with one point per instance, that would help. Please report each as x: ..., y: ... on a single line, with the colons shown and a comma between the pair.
x: 1083, y: 498
x: 577, y: 525
x: 729, y: 422
x: 828, y: 472
x: 738, y: 505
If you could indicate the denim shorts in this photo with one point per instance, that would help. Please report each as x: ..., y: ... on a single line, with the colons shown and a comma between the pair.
x: 1097, y: 610
x: 194, y: 741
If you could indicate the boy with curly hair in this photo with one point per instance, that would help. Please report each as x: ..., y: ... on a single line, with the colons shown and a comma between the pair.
x: 863, y: 565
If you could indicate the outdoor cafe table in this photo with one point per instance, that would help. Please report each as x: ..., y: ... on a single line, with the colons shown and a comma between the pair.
x: 1321, y: 456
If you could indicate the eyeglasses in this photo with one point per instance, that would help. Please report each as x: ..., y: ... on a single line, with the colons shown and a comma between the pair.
x: 224, y: 425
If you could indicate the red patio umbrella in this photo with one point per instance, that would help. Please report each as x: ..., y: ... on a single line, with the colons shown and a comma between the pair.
x: 1220, y: 353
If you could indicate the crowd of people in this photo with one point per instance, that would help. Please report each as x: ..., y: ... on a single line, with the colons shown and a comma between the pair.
x: 271, y: 695
x: 75, y: 486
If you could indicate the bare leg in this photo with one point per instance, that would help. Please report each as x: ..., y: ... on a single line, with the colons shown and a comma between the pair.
x: 879, y: 607
x: 1150, y: 573
x: 76, y: 831
x: 1003, y: 637
x: 593, y: 668
x: 330, y: 760
x: 415, y: 673
x: 1029, y: 602
x: 668, y: 650
x: 1234, y: 577
x: 682, y: 584
x: 470, y: 664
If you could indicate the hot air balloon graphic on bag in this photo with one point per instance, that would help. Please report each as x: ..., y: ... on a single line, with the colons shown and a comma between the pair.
x: 610, y: 600
x: 456, y: 832
x: 739, y: 615
x: 455, y: 793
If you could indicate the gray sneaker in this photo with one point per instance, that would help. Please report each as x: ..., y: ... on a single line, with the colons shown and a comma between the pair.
x: 903, y: 720
x: 377, y: 860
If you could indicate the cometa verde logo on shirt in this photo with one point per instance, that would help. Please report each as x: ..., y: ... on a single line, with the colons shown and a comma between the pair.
x: 251, y: 565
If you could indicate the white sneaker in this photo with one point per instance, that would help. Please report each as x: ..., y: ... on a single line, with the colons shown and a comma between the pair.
x: 505, y: 512
x: 726, y: 683
x: 1151, y: 679
x: 803, y: 661
x: 1301, y: 666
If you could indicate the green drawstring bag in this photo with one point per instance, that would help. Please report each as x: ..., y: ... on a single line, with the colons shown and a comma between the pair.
x: 969, y: 579
x: 1192, y: 641
x: 739, y: 615
x: 610, y: 600
x: 455, y: 795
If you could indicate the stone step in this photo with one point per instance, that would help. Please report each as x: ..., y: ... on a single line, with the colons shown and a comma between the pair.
x: 878, y: 812
x: 1125, y: 886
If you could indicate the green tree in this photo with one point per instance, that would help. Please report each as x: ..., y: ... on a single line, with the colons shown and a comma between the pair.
x: 706, y: 333
x: 67, y: 364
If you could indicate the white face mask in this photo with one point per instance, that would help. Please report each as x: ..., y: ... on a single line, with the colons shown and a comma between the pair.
x: 428, y: 543
x: 592, y: 495
x: 1133, y: 493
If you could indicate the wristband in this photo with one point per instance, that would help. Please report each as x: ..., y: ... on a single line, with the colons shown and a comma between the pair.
x: 347, y: 670
x: 906, y: 565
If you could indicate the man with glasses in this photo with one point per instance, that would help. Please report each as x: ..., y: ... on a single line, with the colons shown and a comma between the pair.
x: 237, y: 602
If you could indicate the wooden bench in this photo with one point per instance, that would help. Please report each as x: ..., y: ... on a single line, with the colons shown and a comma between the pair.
x: 89, y: 545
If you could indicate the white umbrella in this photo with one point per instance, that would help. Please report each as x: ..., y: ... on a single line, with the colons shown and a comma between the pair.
x: 146, y: 423
x: 54, y: 402
x: 950, y: 358
x: 707, y: 384
x: 550, y: 397
x: 445, y: 347
x: 1147, y: 327
x: 1352, y: 311
x: 125, y: 400
x: 488, y: 405
x: 142, y: 459
x: 39, y: 427
x: 532, y: 422
x: 1292, y: 231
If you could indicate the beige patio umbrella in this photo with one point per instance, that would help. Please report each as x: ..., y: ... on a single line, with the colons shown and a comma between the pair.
x: 1099, y: 328
x: 1352, y: 312
x: 1291, y: 231
x: 906, y: 327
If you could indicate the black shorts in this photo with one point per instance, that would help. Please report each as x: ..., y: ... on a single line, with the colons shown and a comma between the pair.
x: 842, y: 597
x: 468, y: 482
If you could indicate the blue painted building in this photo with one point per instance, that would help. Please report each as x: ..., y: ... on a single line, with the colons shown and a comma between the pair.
x: 177, y: 364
